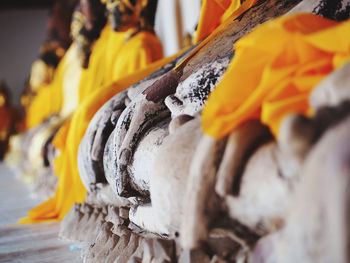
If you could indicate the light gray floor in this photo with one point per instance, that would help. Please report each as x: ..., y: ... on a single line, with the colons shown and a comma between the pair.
x: 15, y: 200
x: 27, y: 243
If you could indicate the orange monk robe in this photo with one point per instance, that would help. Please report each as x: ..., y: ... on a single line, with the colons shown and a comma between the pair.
x: 274, y: 69
x: 214, y: 13
x: 49, y: 99
x: 93, y: 76
x: 114, y: 56
x: 46, y: 102
x: 136, y: 53
x: 210, y: 17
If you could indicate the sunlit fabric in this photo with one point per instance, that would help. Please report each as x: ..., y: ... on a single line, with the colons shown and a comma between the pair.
x: 41, y: 75
x: 50, y: 98
x: 216, y: 12
x: 124, y: 56
x: 274, y: 69
x: 210, y: 16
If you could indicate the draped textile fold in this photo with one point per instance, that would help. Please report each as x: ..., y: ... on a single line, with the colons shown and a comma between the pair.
x: 217, y: 12
x: 274, y: 70
x: 50, y: 98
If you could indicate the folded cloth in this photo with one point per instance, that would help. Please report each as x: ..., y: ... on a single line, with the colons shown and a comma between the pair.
x: 274, y: 69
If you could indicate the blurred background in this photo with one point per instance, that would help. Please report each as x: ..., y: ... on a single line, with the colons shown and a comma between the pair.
x: 23, y: 28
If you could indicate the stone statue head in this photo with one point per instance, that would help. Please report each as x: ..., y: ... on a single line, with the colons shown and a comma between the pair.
x: 93, y: 16
x: 94, y: 13
x: 55, y: 45
x: 58, y: 36
x: 125, y: 14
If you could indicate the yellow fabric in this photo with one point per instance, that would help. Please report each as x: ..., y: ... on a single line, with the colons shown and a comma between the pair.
x: 70, y: 85
x: 215, y: 13
x: 123, y: 57
x: 93, y: 76
x: 134, y: 54
x: 67, y: 85
x: 210, y: 16
x: 230, y: 17
x: 49, y: 99
x: 274, y: 69
x: 41, y: 74
x: 235, y: 4
x: 46, y: 102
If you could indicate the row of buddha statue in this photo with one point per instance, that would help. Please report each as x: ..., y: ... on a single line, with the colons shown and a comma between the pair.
x: 232, y: 150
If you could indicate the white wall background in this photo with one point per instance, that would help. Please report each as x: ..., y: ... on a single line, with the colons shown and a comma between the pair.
x: 174, y: 19
x: 21, y: 33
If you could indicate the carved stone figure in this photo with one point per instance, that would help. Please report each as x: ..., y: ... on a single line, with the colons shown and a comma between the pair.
x: 34, y: 161
x: 95, y: 20
x: 142, y: 113
x: 217, y: 199
x: 52, y: 50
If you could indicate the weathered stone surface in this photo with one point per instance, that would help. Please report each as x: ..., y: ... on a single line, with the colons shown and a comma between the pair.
x: 90, y: 156
x: 219, y: 195
x: 192, y: 93
x: 332, y: 90
x: 316, y: 228
x: 163, y: 215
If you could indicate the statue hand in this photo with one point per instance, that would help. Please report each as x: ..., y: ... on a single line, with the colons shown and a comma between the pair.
x: 90, y: 155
